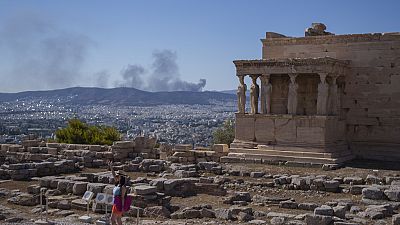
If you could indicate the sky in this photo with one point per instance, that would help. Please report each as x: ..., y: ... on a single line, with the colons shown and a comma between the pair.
x: 159, y: 45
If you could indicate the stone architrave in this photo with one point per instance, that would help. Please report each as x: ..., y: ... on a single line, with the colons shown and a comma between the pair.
x: 323, y: 90
x: 266, y: 89
x: 241, y: 93
x: 292, y: 95
x: 333, y: 98
x: 254, y: 93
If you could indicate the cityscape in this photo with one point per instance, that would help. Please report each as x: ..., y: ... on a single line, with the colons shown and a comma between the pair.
x: 172, y: 123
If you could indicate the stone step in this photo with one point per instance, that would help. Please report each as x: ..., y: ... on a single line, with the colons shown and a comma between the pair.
x: 289, y: 153
x: 305, y: 148
x: 315, y: 160
x: 243, y: 145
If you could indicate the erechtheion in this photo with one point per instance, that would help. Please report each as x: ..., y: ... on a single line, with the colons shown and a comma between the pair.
x: 322, y: 98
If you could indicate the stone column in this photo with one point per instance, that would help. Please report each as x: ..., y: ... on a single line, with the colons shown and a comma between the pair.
x: 292, y: 94
x: 254, y: 93
x: 241, y: 94
x: 265, y: 94
x: 333, y: 97
x: 323, y: 91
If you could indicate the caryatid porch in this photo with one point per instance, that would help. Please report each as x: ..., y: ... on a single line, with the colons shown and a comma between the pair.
x: 299, y: 114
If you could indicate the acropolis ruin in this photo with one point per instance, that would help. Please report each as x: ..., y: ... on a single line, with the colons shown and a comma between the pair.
x: 322, y: 98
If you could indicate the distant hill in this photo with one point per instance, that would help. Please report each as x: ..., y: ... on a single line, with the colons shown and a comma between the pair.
x: 232, y: 92
x: 120, y: 96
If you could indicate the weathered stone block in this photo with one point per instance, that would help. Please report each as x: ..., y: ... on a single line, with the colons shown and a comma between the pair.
x: 318, y: 220
x: 145, y: 190
x: 324, y: 210
x: 95, y: 187
x: 372, y: 193
x: 79, y: 188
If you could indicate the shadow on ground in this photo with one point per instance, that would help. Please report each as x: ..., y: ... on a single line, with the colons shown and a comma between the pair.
x: 373, y: 164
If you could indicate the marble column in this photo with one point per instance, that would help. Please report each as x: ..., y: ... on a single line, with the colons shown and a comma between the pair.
x: 254, y: 93
x: 292, y: 95
x: 266, y: 89
x: 333, y: 97
x: 241, y: 94
x: 323, y: 91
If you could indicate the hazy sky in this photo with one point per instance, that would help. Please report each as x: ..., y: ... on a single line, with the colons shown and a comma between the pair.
x: 159, y: 45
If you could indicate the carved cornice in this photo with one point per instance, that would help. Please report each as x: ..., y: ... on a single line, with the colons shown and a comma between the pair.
x: 290, y: 62
x: 331, y: 39
x: 291, y: 65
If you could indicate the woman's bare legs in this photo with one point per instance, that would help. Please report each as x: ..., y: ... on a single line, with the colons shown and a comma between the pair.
x: 113, y: 219
x: 119, y: 221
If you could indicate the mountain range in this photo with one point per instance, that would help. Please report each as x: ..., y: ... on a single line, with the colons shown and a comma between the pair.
x: 120, y: 96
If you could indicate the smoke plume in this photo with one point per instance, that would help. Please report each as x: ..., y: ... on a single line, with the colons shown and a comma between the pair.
x: 101, y: 79
x: 38, y: 55
x: 164, y: 75
x: 132, y: 75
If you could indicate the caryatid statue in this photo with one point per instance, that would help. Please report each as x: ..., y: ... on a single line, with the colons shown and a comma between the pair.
x: 241, y: 94
x: 266, y: 89
x: 292, y: 95
x: 254, y: 93
x: 322, y: 99
x: 333, y: 97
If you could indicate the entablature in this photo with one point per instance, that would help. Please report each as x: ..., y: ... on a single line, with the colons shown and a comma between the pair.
x: 291, y: 65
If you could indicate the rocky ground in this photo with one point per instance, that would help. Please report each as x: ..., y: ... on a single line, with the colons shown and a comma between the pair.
x: 212, y: 193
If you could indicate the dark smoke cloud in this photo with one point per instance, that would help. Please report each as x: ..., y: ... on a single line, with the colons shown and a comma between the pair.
x: 132, y: 75
x: 101, y: 79
x: 39, y: 55
x: 164, y: 76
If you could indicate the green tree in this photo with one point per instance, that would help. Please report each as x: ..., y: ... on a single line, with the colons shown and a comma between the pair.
x: 78, y: 132
x: 110, y: 134
x: 224, y: 134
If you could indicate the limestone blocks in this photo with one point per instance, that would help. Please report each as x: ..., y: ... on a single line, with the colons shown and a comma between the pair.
x: 121, y: 149
x: 140, y: 146
x: 184, y: 153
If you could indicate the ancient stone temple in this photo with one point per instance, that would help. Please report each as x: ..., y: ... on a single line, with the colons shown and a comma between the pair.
x: 322, y: 98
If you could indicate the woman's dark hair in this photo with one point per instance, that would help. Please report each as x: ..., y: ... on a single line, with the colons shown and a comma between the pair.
x: 121, y: 181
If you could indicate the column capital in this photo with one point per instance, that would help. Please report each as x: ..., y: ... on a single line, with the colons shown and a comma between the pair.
x: 322, y: 77
x: 241, y: 79
x: 334, y: 77
x: 266, y: 75
x: 265, y: 78
x: 292, y: 77
x: 254, y: 76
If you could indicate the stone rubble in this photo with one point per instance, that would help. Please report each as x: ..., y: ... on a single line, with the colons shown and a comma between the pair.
x: 239, y: 192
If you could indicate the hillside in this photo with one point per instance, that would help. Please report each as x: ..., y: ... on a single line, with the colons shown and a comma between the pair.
x: 119, y: 96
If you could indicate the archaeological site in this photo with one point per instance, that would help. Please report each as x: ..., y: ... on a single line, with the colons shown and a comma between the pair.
x: 317, y: 142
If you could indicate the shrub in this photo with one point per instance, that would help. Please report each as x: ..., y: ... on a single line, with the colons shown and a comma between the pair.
x: 224, y: 134
x: 78, y: 132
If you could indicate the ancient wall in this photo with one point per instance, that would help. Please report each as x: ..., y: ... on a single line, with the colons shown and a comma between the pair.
x: 279, y: 96
x: 370, y: 101
x: 286, y: 130
x: 307, y: 94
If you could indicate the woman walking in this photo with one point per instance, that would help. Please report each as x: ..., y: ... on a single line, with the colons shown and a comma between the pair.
x: 119, y: 195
